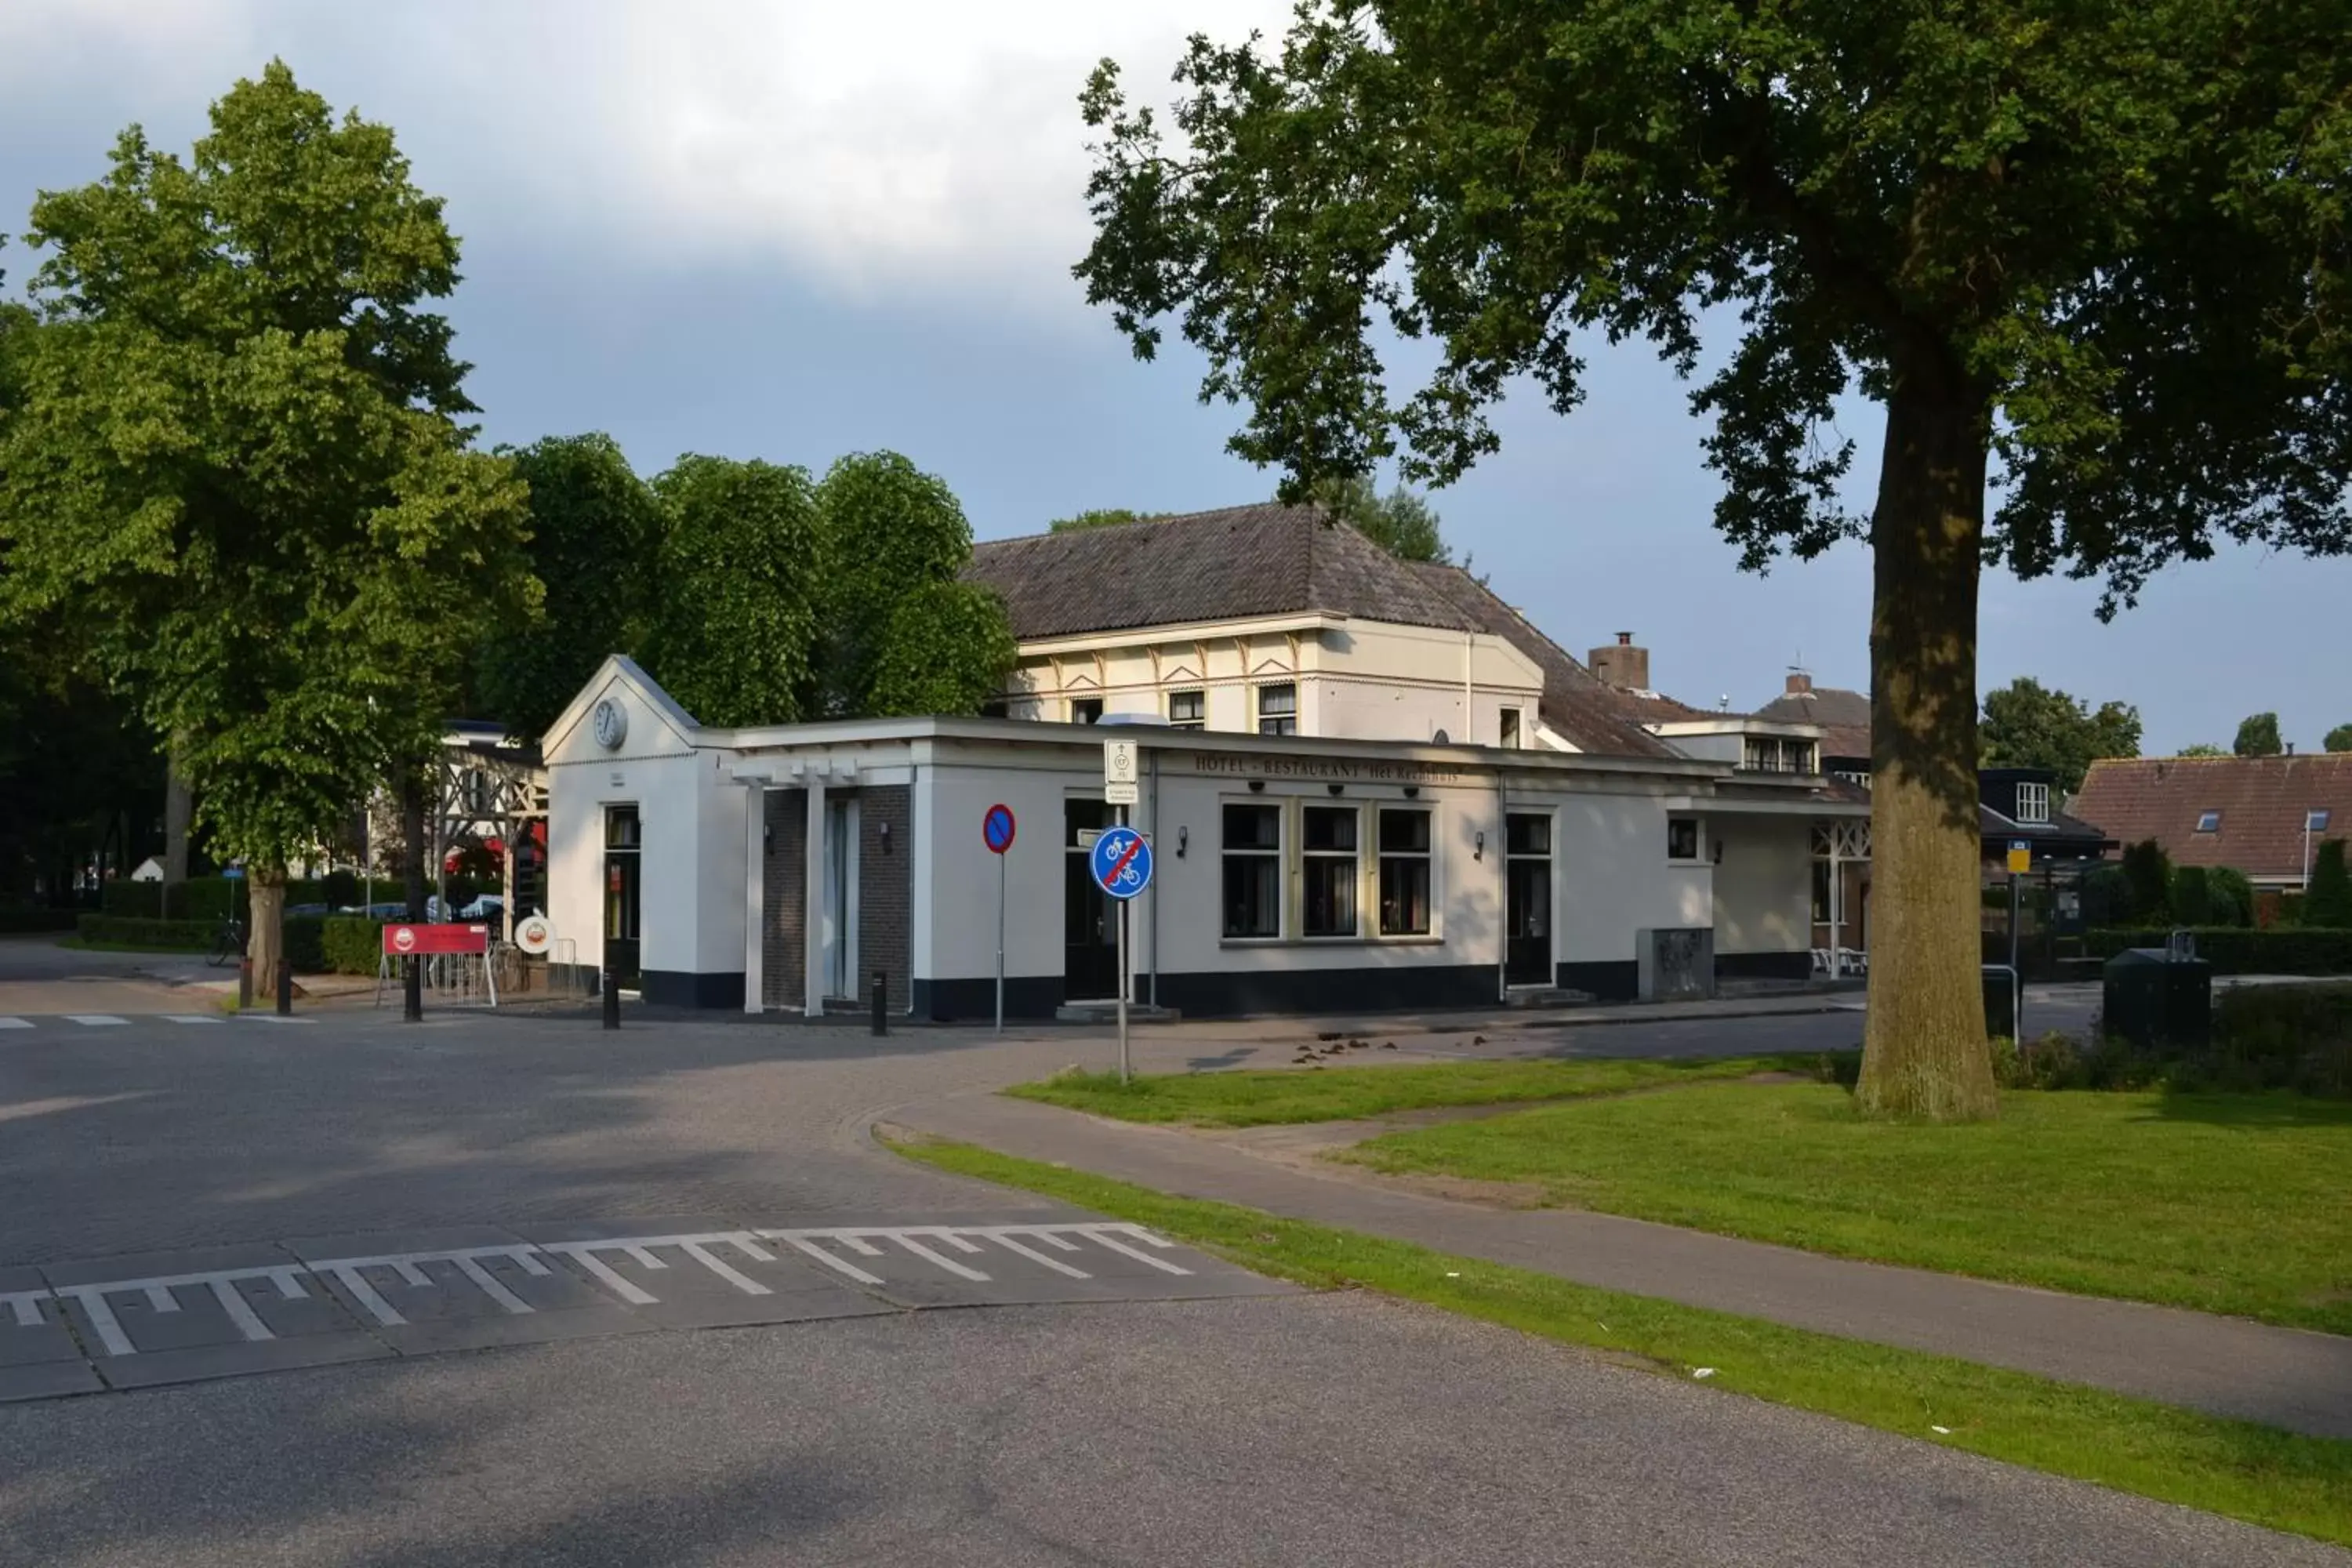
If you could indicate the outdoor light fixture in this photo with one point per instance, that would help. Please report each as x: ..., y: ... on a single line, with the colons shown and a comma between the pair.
x: 885, y: 838
x: 1413, y: 792
x: 1335, y: 789
x: 1478, y: 846
x: 1184, y: 837
x: 1257, y: 787
x: 1718, y: 851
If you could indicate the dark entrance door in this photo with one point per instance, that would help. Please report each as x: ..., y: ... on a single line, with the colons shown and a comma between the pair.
x: 1089, y: 928
x: 1527, y: 899
x: 623, y: 852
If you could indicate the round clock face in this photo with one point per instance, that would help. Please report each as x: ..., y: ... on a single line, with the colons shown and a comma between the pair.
x: 612, y: 724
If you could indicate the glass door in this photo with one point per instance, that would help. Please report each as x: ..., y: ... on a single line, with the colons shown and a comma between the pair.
x: 1527, y: 911
x: 1090, y: 924
x: 623, y: 895
x: 840, y: 929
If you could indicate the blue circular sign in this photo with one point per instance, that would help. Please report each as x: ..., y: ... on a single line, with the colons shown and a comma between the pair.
x: 996, y: 830
x: 1121, y: 862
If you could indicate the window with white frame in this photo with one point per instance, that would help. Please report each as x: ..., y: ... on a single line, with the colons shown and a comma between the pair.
x: 2032, y: 802
x: 1510, y: 732
x: 1277, y: 709
x: 1330, y: 870
x: 1405, y: 870
x: 1188, y: 710
x: 1252, y: 870
x: 1682, y: 838
x: 1085, y: 709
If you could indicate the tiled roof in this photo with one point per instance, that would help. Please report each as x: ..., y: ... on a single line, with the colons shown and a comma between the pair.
x: 2263, y: 802
x: 1991, y: 823
x: 1237, y: 564
x: 1587, y: 713
x: 1843, y: 716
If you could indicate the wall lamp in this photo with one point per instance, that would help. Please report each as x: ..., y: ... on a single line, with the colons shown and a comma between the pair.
x: 1184, y: 837
x: 1257, y: 787
x: 1413, y: 792
x: 886, y: 837
x: 1335, y: 789
x: 1478, y: 846
x: 1718, y: 851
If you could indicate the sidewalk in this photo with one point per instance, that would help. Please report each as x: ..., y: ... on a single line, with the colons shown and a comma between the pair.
x: 2227, y: 1366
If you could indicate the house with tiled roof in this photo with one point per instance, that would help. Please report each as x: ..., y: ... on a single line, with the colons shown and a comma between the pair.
x: 2265, y: 817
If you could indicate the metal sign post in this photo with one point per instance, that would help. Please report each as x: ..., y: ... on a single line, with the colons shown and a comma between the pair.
x: 1121, y: 863
x: 996, y: 830
x: 2021, y: 861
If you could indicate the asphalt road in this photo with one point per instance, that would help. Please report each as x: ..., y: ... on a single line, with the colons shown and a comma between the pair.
x: 1293, y: 1429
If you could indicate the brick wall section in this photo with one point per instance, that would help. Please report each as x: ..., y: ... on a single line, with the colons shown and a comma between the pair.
x: 783, y: 912
x: 886, y: 892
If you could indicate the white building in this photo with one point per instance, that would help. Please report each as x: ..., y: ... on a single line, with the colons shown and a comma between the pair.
x: 1367, y: 785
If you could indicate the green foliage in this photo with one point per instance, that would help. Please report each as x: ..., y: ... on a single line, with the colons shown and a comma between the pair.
x: 1402, y: 522
x: 2232, y: 894
x: 596, y: 530
x: 2234, y: 950
x: 349, y: 945
x: 733, y: 638
x: 2282, y: 1036
x: 2147, y: 875
x: 946, y: 650
x: 2339, y: 739
x: 197, y: 899
x: 2258, y: 736
x: 2026, y: 726
x: 236, y: 460
x: 2328, y: 900
x: 2107, y: 895
x: 2201, y: 748
x: 156, y: 935
x: 2192, y: 897
x: 305, y: 950
x: 1104, y: 517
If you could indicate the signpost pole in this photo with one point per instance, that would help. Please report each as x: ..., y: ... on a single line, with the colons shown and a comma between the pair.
x: 1000, y: 944
x: 1122, y: 974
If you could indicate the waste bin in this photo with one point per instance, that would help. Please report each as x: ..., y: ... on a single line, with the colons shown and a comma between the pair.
x: 2155, y: 998
x: 1999, y: 1001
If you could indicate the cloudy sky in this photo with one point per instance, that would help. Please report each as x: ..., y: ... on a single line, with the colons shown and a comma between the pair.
x: 791, y: 231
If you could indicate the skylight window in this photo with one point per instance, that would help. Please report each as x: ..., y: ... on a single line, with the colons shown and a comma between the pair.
x: 2208, y: 822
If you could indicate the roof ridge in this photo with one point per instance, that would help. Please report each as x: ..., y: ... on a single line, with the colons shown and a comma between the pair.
x: 1169, y: 516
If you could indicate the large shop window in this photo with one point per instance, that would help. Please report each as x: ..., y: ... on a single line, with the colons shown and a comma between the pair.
x: 1404, y: 871
x: 1252, y: 856
x: 1277, y: 709
x: 1331, y: 874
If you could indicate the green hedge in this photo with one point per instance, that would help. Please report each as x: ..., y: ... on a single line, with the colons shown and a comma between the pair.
x: 352, y: 944
x: 2233, y: 951
x: 14, y: 922
x: 162, y: 936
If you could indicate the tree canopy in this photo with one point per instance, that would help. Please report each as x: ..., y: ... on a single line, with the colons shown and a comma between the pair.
x: 734, y: 634
x: 2098, y: 251
x: 2026, y: 725
x: 236, y: 460
x: 2327, y: 901
x: 2201, y: 748
x: 2339, y: 739
x: 1100, y: 516
x: 1402, y: 522
x: 2258, y: 736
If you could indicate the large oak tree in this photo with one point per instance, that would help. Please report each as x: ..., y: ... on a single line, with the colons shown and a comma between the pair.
x: 2092, y: 250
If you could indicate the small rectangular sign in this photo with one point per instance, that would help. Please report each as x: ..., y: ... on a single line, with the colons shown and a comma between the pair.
x: 1119, y: 775
x: 2020, y: 858
x: 400, y: 940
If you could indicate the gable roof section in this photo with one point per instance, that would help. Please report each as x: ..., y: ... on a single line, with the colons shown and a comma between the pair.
x: 2263, y: 802
x: 622, y: 668
x: 1843, y: 716
x: 1238, y: 563
x: 1589, y: 714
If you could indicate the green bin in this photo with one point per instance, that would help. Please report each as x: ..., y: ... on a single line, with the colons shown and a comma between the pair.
x: 2158, y: 1000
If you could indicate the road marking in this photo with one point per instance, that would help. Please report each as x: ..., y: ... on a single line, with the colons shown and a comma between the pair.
x: 1034, y: 1255
x: 580, y: 1252
x: 1097, y: 1232
x: 25, y: 1306
x: 472, y: 1268
x: 365, y: 1295
x: 191, y: 1018
x: 727, y: 1271
x: 160, y: 1300
x: 96, y: 1020
x: 101, y: 1318
x: 273, y: 1017
x: 804, y: 1245
x: 16, y: 1024
x: 927, y: 1256
x: 249, y: 1322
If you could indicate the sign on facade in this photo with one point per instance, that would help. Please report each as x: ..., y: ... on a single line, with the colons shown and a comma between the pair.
x: 1120, y: 777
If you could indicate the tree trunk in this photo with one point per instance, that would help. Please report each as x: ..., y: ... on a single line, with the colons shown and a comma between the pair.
x: 412, y: 866
x: 1924, y: 1051
x: 265, y: 934
x: 178, y: 808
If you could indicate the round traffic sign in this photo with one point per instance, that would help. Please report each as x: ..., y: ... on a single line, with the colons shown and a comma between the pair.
x: 996, y: 828
x: 1121, y: 862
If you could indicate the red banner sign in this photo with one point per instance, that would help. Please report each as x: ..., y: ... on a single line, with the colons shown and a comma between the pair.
x: 400, y: 940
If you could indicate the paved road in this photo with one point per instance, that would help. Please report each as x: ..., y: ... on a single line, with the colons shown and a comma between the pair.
x: 1288, y: 1429
x: 38, y: 975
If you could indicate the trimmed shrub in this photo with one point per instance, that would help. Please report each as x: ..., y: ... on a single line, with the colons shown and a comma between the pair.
x: 2106, y: 897
x: 2233, y: 895
x: 17, y: 922
x: 2147, y: 882
x: 158, y: 936
x: 351, y: 943
x: 2282, y: 1036
x: 2192, y: 898
x: 305, y: 946
x: 340, y: 890
x: 2231, y: 950
x: 2327, y: 902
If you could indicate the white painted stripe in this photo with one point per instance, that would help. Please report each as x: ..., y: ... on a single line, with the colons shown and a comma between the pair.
x: 289, y: 1287
x: 101, y: 1318
x: 193, y: 1018
x: 365, y: 1295
x: 240, y: 1311
x: 96, y: 1020
x: 1012, y: 1245
x: 161, y: 1300
x: 857, y: 1244
x: 473, y: 1269
x: 274, y: 1017
x: 16, y: 1023
x: 1101, y: 1233
x: 625, y: 1290
x: 530, y: 1263
x: 752, y: 1249
x: 925, y: 1253
x: 409, y: 1273
x: 26, y: 1307
x: 959, y: 1242
x: 822, y: 1256
x: 644, y: 1259
x: 725, y: 1270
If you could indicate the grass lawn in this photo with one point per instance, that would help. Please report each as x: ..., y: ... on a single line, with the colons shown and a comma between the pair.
x: 2233, y: 1467
x: 2238, y: 1203
x: 1342, y: 1094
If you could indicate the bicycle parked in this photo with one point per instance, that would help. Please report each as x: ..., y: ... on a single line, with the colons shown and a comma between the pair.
x: 228, y: 946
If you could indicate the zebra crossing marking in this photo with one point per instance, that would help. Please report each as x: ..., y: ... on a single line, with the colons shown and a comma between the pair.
x: 16, y: 1023
x: 96, y: 1020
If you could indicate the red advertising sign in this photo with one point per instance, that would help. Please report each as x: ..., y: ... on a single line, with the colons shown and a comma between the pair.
x: 400, y: 940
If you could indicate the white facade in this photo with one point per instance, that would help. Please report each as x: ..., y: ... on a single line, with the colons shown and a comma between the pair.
x: 1276, y: 886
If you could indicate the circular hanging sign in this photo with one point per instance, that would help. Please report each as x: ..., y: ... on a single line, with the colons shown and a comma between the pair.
x: 996, y: 828
x: 534, y: 936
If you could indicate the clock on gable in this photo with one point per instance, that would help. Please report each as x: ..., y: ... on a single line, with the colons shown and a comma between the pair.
x: 612, y: 724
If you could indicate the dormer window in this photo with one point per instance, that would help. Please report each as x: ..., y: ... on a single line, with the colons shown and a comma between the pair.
x: 2033, y: 803
x: 2316, y: 820
x: 2208, y: 822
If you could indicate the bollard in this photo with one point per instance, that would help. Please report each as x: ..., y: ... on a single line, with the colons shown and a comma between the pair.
x: 881, y: 1001
x: 244, y: 983
x: 285, y: 989
x: 611, y: 994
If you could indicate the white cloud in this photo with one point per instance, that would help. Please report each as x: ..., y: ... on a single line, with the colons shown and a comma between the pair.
x: 932, y: 141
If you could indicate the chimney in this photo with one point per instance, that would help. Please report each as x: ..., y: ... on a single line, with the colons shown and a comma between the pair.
x: 1623, y: 665
x: 1800, y: 683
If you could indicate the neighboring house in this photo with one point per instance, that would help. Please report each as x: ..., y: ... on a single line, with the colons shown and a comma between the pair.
x: 2265, y: 817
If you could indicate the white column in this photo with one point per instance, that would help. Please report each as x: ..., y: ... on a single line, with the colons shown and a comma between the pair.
x: 755, y: 896
x: 813, y: 922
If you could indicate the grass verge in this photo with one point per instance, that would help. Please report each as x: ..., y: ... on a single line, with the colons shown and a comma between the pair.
x: 2237, y: 1469
x: 1345, y: 1094
x: 2219, y: 1203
